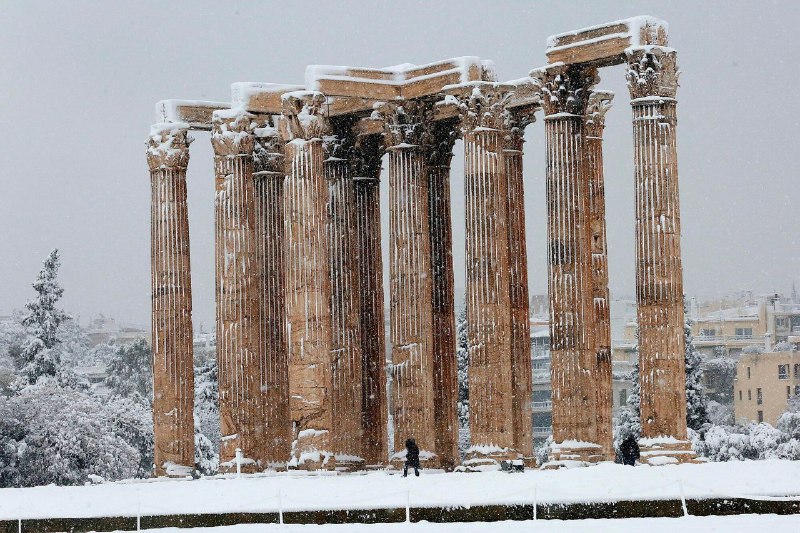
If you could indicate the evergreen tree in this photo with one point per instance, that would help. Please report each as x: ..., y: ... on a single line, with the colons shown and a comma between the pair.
x: 206, y: 406
x: 130, y: 373
x: 627, y: 421
x: 38, y: 356
x: 462, y: 358
x: 696, y: 400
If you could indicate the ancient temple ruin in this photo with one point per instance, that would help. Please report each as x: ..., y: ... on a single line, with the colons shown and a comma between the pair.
x: 299, y: 273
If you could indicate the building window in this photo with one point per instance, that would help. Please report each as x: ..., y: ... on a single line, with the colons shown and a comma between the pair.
x: 708, y: 332
x: 782, y: 322
x: 759, y: 397
x: 788, y: 392
x: 740, y: 396
x: 744, y: 332
x: 748, y: 372
x: 623, y: 396
x: 761, y: 416
x: 783, y: 371
x: 797, y: 370
x: 797, y: 390
x: 749, y: 395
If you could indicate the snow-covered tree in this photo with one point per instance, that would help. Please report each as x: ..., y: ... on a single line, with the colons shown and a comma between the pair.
x: 206, y: 459
x: 37, y: 356
x: 721, y: 372
x: 130, y: 372
x: 627, y: 421
x: 132, y: 420
x: 696, y: 400
x: 206, y: 403
x: 462, y: 358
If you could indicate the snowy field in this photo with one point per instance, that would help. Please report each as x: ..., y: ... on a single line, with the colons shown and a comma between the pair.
x: 691, y: 524
x: 376, y: 490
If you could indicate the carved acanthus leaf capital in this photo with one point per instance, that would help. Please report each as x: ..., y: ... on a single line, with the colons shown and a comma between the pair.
x: 304, y: 117
x: 268, y: 151
x: 565, y: 88
x: 168, y: 146
x: 232, y: 132
x: 339, y: 140
x: 599, y: 104
x: 367, y: 155
x: 483, y: 105
x: 652, y: 71
x: 404, y: 123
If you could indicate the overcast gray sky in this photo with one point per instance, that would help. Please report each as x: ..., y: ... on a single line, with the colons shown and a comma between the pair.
x: 78, y: 83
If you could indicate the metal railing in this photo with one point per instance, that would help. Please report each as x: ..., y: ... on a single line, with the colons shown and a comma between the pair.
x: 548, y: 404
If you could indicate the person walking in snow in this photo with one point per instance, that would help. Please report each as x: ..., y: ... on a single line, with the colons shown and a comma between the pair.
x: 412, y: 457
x: 629, y: 450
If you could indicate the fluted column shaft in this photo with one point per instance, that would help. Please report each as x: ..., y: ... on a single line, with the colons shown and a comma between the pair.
x: 488, y: 295
x: 173, y: 371
x: 572, y: 348
x: 518, y: 297
x: 652, y: 80
x: 346, y: 356
x: 374, y: 409
x: 599, y: 102
x: 268, y: 180
x: 241, y: 403
x: 410, y: 293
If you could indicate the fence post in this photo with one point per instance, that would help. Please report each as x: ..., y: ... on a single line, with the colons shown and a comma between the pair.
x: 535, y: 501
x: 238, y: 462
x: 280, y: 507
x: 683, y: 499
x: 139, y: 516
x: 408, y: 506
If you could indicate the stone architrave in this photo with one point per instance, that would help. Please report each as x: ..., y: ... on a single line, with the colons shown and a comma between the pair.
x: 411, y: 280
x: 653, y: 82
x: 268, y: 159
x: 346, y: 358
x: 239, y: 349
x: 565, y: 91
x: 599, y: 104
x: 439, y: 153
x: 522, y: 385
x: 173, y: 370
x: 489, y: 322
x: 366, y: 171
x: 308, y: 288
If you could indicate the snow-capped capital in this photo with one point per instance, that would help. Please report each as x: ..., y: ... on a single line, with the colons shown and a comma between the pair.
x: 599, y: 104
x: 652, y: 71
x: 303, y: 113
x: 565, y: 88
x: 232, y: 132
x: 168, y: 145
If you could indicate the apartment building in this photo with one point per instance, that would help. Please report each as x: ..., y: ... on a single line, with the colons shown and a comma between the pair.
x: 764, y: 382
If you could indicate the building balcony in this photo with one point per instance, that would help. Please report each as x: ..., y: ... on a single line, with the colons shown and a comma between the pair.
x: 727, y: 340
x: 542, y: 406
x: 542, y: 431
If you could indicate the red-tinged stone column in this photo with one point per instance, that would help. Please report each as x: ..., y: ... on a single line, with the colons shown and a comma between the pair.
x: 488, y: 277
x: 439, y: 154
x: 366, y: 170
x: 653, y: 82
x: 308, y: 283
x: 599, y: 103
x: 346, y: 359
x: 241, y: 403
x: 410, y: 283
x: 522, y: 385
x: 268, y: 177
x: 173, y: 370
x: 572, y: 349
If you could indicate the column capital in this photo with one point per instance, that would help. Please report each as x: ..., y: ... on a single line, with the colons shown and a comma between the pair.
x: 168, y: 145
x: 439, y: 148
x: 268, y: 153
x: 482, y: 105
x: 303, y: 116
x: 365, y: 163
x: 565, y: 88
x: 599, y: 104
x: 232, y: 132
x: 652, y: 71
x: 404, y: 122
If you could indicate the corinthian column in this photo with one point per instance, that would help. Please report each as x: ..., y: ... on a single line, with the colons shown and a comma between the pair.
x: 308, y: 283
x: 345, y: 298
x: 653, y: 81
x: 241, y: 404
x: 572, y: 347
x: 521, y: 381
x: 366, y: 170
x: 268, y: 179
x: 599, y: 103
x: 173, y: 371
x: 410, y: 282
x: 488, y: 276
x: 439, y: 153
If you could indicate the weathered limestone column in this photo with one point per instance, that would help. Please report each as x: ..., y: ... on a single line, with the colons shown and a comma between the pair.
x: 439, y: 154
x: 173, y: 369
x: 488, y: 276
x: 366, y: 170
x: 653, y: 81
x: 268, y: 179
x: 522, y: 385
x: 346, y: 358
x: 241, y: 403
x: 308, y: 288
x: 410, y: 284
x: 599, y: 103
x: 572, y: 348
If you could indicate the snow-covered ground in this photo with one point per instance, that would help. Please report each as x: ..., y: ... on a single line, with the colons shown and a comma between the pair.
x: 295, y: 492
x: 728, y: 524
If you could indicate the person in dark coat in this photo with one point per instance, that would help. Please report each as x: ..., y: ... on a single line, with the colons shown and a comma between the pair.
x: 412, y: 457
x: 629, y: 449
